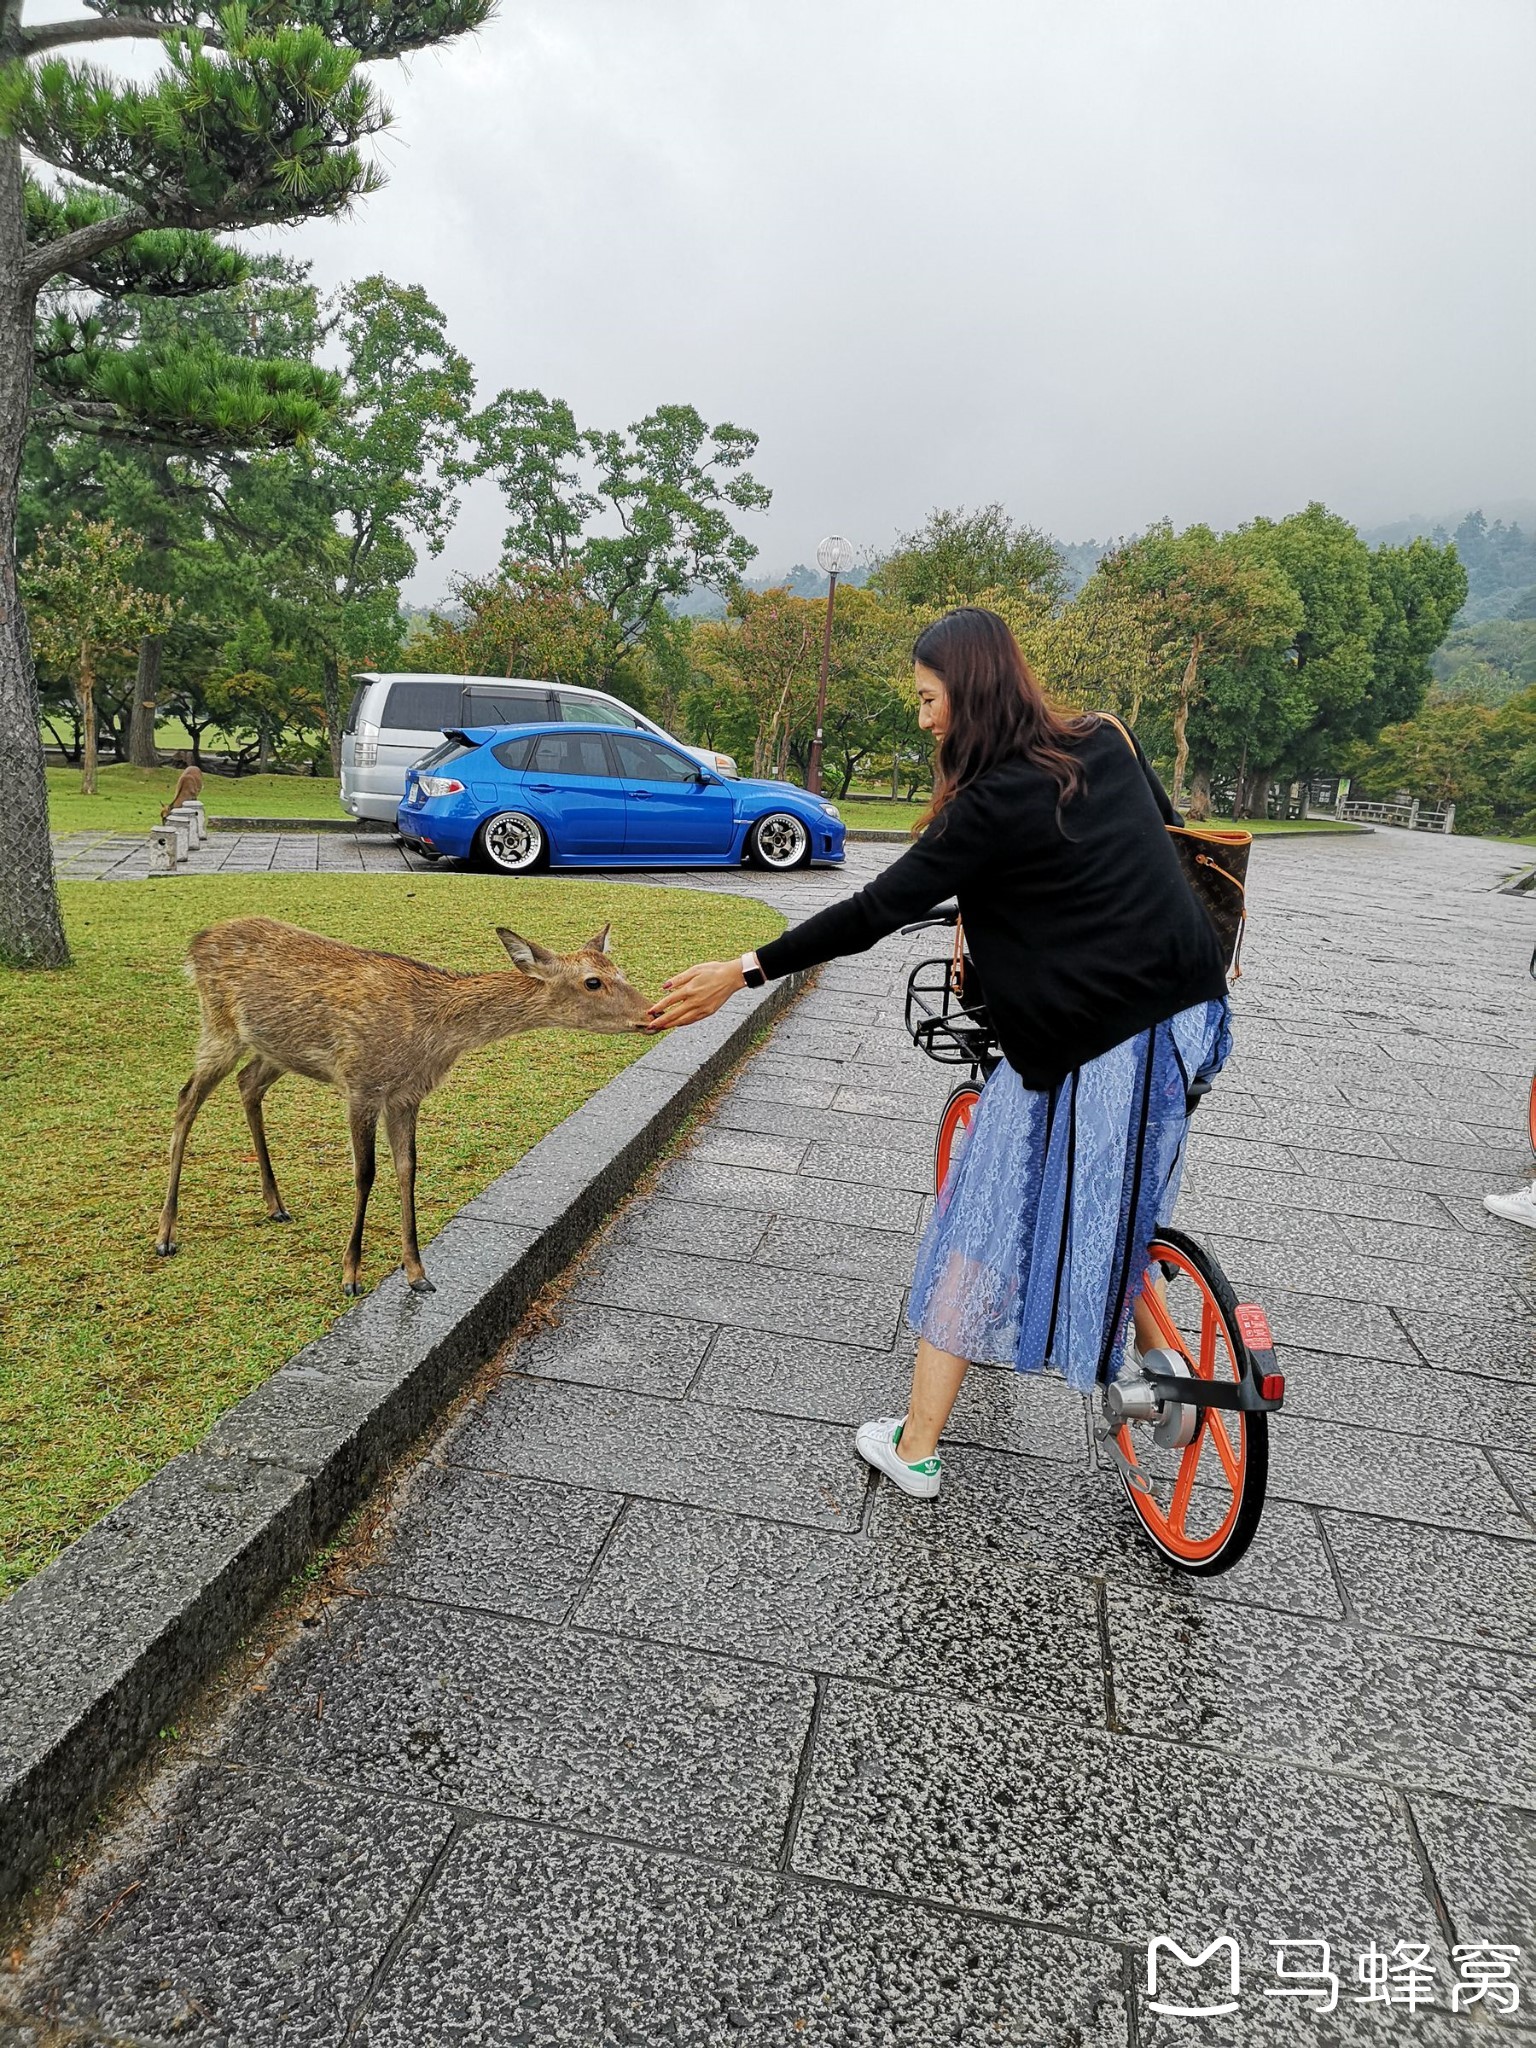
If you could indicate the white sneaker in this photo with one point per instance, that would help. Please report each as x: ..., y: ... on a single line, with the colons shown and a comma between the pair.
x: 876, y: 1444
x: 1519, y: 1207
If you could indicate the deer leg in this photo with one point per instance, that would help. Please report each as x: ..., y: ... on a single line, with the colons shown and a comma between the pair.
x: 400, y: 1123
x: 365, y: 1127
x: 212, y: 1067
x: 253, y: 1084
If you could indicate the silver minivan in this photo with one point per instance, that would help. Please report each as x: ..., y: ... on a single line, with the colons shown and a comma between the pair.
x: 394, y: 719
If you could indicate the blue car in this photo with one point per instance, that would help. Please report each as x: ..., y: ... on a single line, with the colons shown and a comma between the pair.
x: 592, y: 796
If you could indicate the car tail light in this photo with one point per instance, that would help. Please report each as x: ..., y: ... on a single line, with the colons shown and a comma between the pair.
x: 365, y: 753
x: 439, y: 785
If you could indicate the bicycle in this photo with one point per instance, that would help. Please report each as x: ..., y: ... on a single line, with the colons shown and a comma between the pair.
x: 1210, y: 1383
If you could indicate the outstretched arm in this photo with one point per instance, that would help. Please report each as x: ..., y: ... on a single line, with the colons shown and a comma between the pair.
x: 947, y: 857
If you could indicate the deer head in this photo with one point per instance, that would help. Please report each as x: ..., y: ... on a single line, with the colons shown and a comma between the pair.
x: 580, y: 991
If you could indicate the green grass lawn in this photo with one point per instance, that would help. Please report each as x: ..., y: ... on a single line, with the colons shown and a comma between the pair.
x: 130, y: 799
x: 111, y: 1360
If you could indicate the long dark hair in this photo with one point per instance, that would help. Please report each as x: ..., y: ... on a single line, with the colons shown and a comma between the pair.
x: 997, y: 709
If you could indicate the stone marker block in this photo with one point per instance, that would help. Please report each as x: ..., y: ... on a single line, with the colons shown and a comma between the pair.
x: 178, y: 822
x: 196, y: 816
x: 163, y: 842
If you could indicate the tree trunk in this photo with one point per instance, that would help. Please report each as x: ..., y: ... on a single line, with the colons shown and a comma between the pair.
x: 895, y: 774
x: 88, y: 721
x: 1198, y: 809
x: 146, y: 694
x: 263, y: 749
x: 1181, y: 707
x: 31, y: 929
x: 335, y: 711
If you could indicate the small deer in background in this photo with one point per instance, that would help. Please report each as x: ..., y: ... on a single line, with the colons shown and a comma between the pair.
x: 189, y: 786
x: 382, y: 1030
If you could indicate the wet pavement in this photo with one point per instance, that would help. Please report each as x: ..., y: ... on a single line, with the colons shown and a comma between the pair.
x: 124, y: 856
x: 650, y: 1717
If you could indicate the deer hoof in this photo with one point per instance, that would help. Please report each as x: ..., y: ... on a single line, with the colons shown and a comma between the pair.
x: 422, y: 1286
x: 279, y: 1216
x: 352, y: 1287
x: 165, y: 1249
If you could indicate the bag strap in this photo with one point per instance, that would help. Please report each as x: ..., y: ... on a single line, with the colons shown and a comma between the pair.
x: 1109, y: 718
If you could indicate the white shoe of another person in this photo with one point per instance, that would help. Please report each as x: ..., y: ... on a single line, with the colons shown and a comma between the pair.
x: 876, y: 1444
x: 1520, y: 1207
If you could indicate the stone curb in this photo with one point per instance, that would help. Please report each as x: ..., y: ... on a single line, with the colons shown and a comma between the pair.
x: 364, y: 827
x: 99, y: 1650
x: 1313, y: 832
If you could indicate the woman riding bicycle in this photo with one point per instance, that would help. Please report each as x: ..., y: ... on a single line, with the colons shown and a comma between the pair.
x: 1105, y: 987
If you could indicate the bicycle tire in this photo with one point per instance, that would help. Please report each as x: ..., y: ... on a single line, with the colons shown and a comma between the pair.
x: 954, y: 1121
x: 1532, y: 1119
x: 1244, y: 1468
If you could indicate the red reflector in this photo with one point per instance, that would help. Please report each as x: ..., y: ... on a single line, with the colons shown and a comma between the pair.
x: 1253, y: 1326
x: 1272, y: 1386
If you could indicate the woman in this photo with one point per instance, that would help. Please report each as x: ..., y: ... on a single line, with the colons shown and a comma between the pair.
x: 1106, y: 990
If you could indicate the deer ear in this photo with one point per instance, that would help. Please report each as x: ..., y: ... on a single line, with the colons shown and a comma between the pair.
x: 527, y: 954
x: 600, y: 943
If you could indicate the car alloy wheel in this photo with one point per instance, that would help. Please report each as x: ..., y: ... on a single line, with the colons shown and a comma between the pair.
x: 513, y: 842
x: 780, y: 841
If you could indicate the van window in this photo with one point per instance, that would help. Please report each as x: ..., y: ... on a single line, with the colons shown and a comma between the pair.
x: 596, y: 711
x: 513, y: 753
x: 354, y: 709
x: 501, y: 704
x: 423, y: 706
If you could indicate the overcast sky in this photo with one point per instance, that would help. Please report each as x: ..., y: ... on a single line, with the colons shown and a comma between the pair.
x: 1103, y: 261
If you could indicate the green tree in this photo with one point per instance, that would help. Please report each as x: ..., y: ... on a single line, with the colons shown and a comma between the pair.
x: 1210, y: 608
x: 642, y: 514
x: 251, y: 122
x: 1476, y: 756
x: 86, y: 602
x: 961, y: 557
x: 1417, y: 591
x: 530, y: 620
x: 325, y: 534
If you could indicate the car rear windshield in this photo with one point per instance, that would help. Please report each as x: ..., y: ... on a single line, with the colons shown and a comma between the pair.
x: 423, y: 706
x: 513, y: 753
x: 450, y: 750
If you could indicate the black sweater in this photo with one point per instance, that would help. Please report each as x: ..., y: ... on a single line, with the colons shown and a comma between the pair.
x: 1083, y: 933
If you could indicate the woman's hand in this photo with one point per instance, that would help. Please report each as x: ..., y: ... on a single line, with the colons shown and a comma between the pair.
x: 696, y: 993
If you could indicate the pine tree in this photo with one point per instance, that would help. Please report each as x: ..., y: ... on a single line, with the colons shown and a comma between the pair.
x: 255, y: 120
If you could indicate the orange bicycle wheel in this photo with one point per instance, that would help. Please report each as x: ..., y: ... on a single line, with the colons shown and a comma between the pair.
x: 953, y: 1125
x: 1196, y: 1476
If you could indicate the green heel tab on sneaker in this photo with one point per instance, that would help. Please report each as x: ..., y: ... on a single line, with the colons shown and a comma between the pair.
x: 929, y: 1467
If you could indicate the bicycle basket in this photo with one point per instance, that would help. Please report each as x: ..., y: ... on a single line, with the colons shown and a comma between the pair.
x: 939, y: 1023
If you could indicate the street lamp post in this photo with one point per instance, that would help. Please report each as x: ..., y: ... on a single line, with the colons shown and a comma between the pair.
x: 835, y: 557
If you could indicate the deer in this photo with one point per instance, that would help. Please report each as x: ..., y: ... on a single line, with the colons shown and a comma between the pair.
x: 384, y: 1031
x: 189, y: 786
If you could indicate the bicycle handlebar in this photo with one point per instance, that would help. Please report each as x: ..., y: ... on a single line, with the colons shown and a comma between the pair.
x: 947, y: 913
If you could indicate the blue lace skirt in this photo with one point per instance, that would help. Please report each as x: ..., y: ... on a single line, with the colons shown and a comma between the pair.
x: 1037, y: 1244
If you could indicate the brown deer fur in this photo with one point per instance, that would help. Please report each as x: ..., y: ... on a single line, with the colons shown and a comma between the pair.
x: 189, y: 785
x: 382, y: 1030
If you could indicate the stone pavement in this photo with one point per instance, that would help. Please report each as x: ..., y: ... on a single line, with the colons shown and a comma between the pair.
x: 124, y: 856
x: 649, y: 1717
